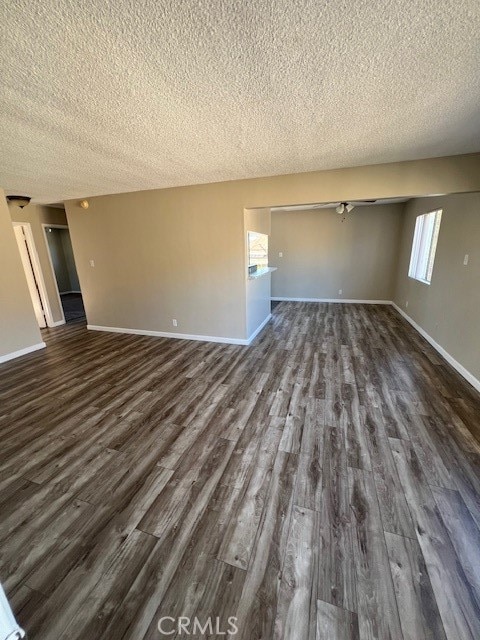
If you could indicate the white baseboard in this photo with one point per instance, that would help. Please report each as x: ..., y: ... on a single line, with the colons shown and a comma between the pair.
x: 22, y: 352
x: 167, y: 334
x: 469, y: 377
x: 340, y: 300
x: 258, y: 329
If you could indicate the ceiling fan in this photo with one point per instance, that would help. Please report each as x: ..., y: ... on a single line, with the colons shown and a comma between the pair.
x: 343, y: 208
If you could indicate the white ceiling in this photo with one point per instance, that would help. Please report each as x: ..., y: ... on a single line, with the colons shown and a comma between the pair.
x: 103, y: 97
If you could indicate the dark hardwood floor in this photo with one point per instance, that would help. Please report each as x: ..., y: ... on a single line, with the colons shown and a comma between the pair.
x: 323, y: 483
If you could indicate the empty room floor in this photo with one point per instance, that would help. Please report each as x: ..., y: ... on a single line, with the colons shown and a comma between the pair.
x: 321, y: 484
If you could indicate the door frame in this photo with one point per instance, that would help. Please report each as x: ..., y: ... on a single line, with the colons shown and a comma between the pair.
x: 37, y: 272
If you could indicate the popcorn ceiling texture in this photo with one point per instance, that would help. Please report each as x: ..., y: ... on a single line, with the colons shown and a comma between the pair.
x: 122, y: 95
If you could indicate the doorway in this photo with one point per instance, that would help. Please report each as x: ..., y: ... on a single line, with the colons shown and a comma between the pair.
x: 33, y: 274
x: 63, y: 265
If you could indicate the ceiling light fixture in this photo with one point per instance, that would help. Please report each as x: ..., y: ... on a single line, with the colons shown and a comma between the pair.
x: 84, y: 204
x: 19, y: 201
x: 344, y: 207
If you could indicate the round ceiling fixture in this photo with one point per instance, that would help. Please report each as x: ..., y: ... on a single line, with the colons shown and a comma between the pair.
x: 84, y: 204
x: 19, y: 201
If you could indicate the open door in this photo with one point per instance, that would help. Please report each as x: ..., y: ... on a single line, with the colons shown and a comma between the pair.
x: 27, y: 261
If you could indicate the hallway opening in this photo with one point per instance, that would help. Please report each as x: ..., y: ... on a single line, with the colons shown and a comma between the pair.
x: 63, y: 264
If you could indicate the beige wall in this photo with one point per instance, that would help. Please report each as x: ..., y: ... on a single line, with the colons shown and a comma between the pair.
x: 322, y: 254
x: 180, y: 253
x: 453, y: 174
x: 37, y: 215
x: 18, y: 326
x: 159, y: 255
x: 449, y: 308
x: 259, y: 220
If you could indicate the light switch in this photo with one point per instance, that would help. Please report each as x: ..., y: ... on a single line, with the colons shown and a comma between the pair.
x: 92, y: 263
x: 465, y: 260
x: 280, y: 254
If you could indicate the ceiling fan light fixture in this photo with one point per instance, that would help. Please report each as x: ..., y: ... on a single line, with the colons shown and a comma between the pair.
x: 340, y: 208
x: 19, y: 201
x: 349, y: 207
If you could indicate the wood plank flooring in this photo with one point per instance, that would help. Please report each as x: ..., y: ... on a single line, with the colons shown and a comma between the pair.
x: 321, y: 484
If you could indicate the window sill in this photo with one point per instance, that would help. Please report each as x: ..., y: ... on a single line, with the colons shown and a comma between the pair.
x: 261, y: 272
x: 420, y: 280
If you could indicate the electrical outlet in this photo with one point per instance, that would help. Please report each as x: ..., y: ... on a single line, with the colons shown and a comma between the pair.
x: 92, y: 263
x: 340, y: 291
x: 280, y: 254
x: 406, y: 303
x: 465, y: 260
x: 174, y: 322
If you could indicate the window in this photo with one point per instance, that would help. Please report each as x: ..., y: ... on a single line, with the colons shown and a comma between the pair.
x: 424, y: 246
x: 257, y: 250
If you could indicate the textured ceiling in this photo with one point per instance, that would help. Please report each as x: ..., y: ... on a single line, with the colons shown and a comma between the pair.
x: 104, y: 97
